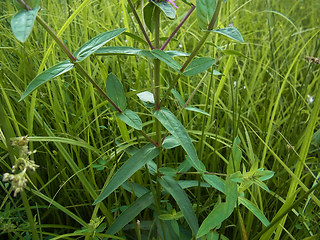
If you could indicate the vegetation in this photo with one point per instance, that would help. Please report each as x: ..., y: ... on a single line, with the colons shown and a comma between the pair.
x: 212, y: 135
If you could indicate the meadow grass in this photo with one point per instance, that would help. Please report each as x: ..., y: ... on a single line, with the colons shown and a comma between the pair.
x: 267, y: 94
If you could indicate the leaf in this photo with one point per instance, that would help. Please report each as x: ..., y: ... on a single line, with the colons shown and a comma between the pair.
x: 221, y: 211
x: 166, y: 58
x: 47, y: 75
x: 205, y: 11
x: 230, y: 32
x: 237, y: 177
x: 133, y: 164
x: 119, y: 50
x: 254, y: 209
x: 233, y: 52
x: 22, y: 23
x: 198, y: 65
x: 178, y: 97
x: 130, y: 118
x: 174, y: 53
x: 115, y: 92
x: 95, y: 43
x: 166, y: 8
x: 148, y: 17
x: 215, y: 182
x: 179, y: 195
x: 168, y: 171
x: 130, y: 213
x: 191, y: 183
x: 170, y: 142
x: 194, y: 109
x: 263, y: 175
x: 146, y: 97
x: 174, y: 126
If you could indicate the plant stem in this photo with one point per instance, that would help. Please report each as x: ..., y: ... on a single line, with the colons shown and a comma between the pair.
x: 178, y: 27
x: 157, y: 76
x: 140, y: 24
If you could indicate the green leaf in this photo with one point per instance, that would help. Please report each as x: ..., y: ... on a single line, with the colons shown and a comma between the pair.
x: 263, y: 175
x: 205, y: 10
x: 174, y: 53
x: 254, y: 209
x: 166, y: 58
x: 194, y: 109
x: 198, y: 65
x: 215, y: 182
x: 47, y: 75
x: 178, y: 97
x: 95, y: 43
x: 22, y: 23
x: 148, y: 17
x: 230, y: 32
x: 131, y: 212
x: 174, y: 126
x: 146, y: 97
x: 166, y: 8
x: 133, y: 164
x: 130, y: 118
x: 221, y: 211
x: 232, y: 52
x: 168, y: 171
x: 191, y: 183
x: 179, y: 195
x: 120, y: 50
x: 237, y: 177
x: 115, y: 92
x: 170, y: 142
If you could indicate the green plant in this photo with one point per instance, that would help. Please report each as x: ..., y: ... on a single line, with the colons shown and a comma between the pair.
x: 162, y: 178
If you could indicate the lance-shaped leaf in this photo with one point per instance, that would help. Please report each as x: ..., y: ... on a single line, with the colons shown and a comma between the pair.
x: 130, y: 213
x: 47, y: 75
x: 174, y: 126
x: 22, y: 23
x: 95, y: 43
x: 133, y: 164
x: 198, y: 65
x: 221, y: 211
x: 148, y: 16
x: 254, y: 209
x: 194, y: 109
x: 175, y: 190
x: 115, y: 92
x: 166, y: 8
x: 205, y: 10
x: 166, y: 58
x: 230, y: 32
x: 130, y: 118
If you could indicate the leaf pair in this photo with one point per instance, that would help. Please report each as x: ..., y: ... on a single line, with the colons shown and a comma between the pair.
x: 82, y: 53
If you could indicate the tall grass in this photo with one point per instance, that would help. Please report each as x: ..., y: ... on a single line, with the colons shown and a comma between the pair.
x: 267, y: 94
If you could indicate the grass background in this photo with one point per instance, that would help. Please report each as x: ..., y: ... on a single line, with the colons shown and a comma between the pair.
x: 266, y: 96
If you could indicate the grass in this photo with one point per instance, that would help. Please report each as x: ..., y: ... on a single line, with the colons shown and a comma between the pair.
x: 263, y: 96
